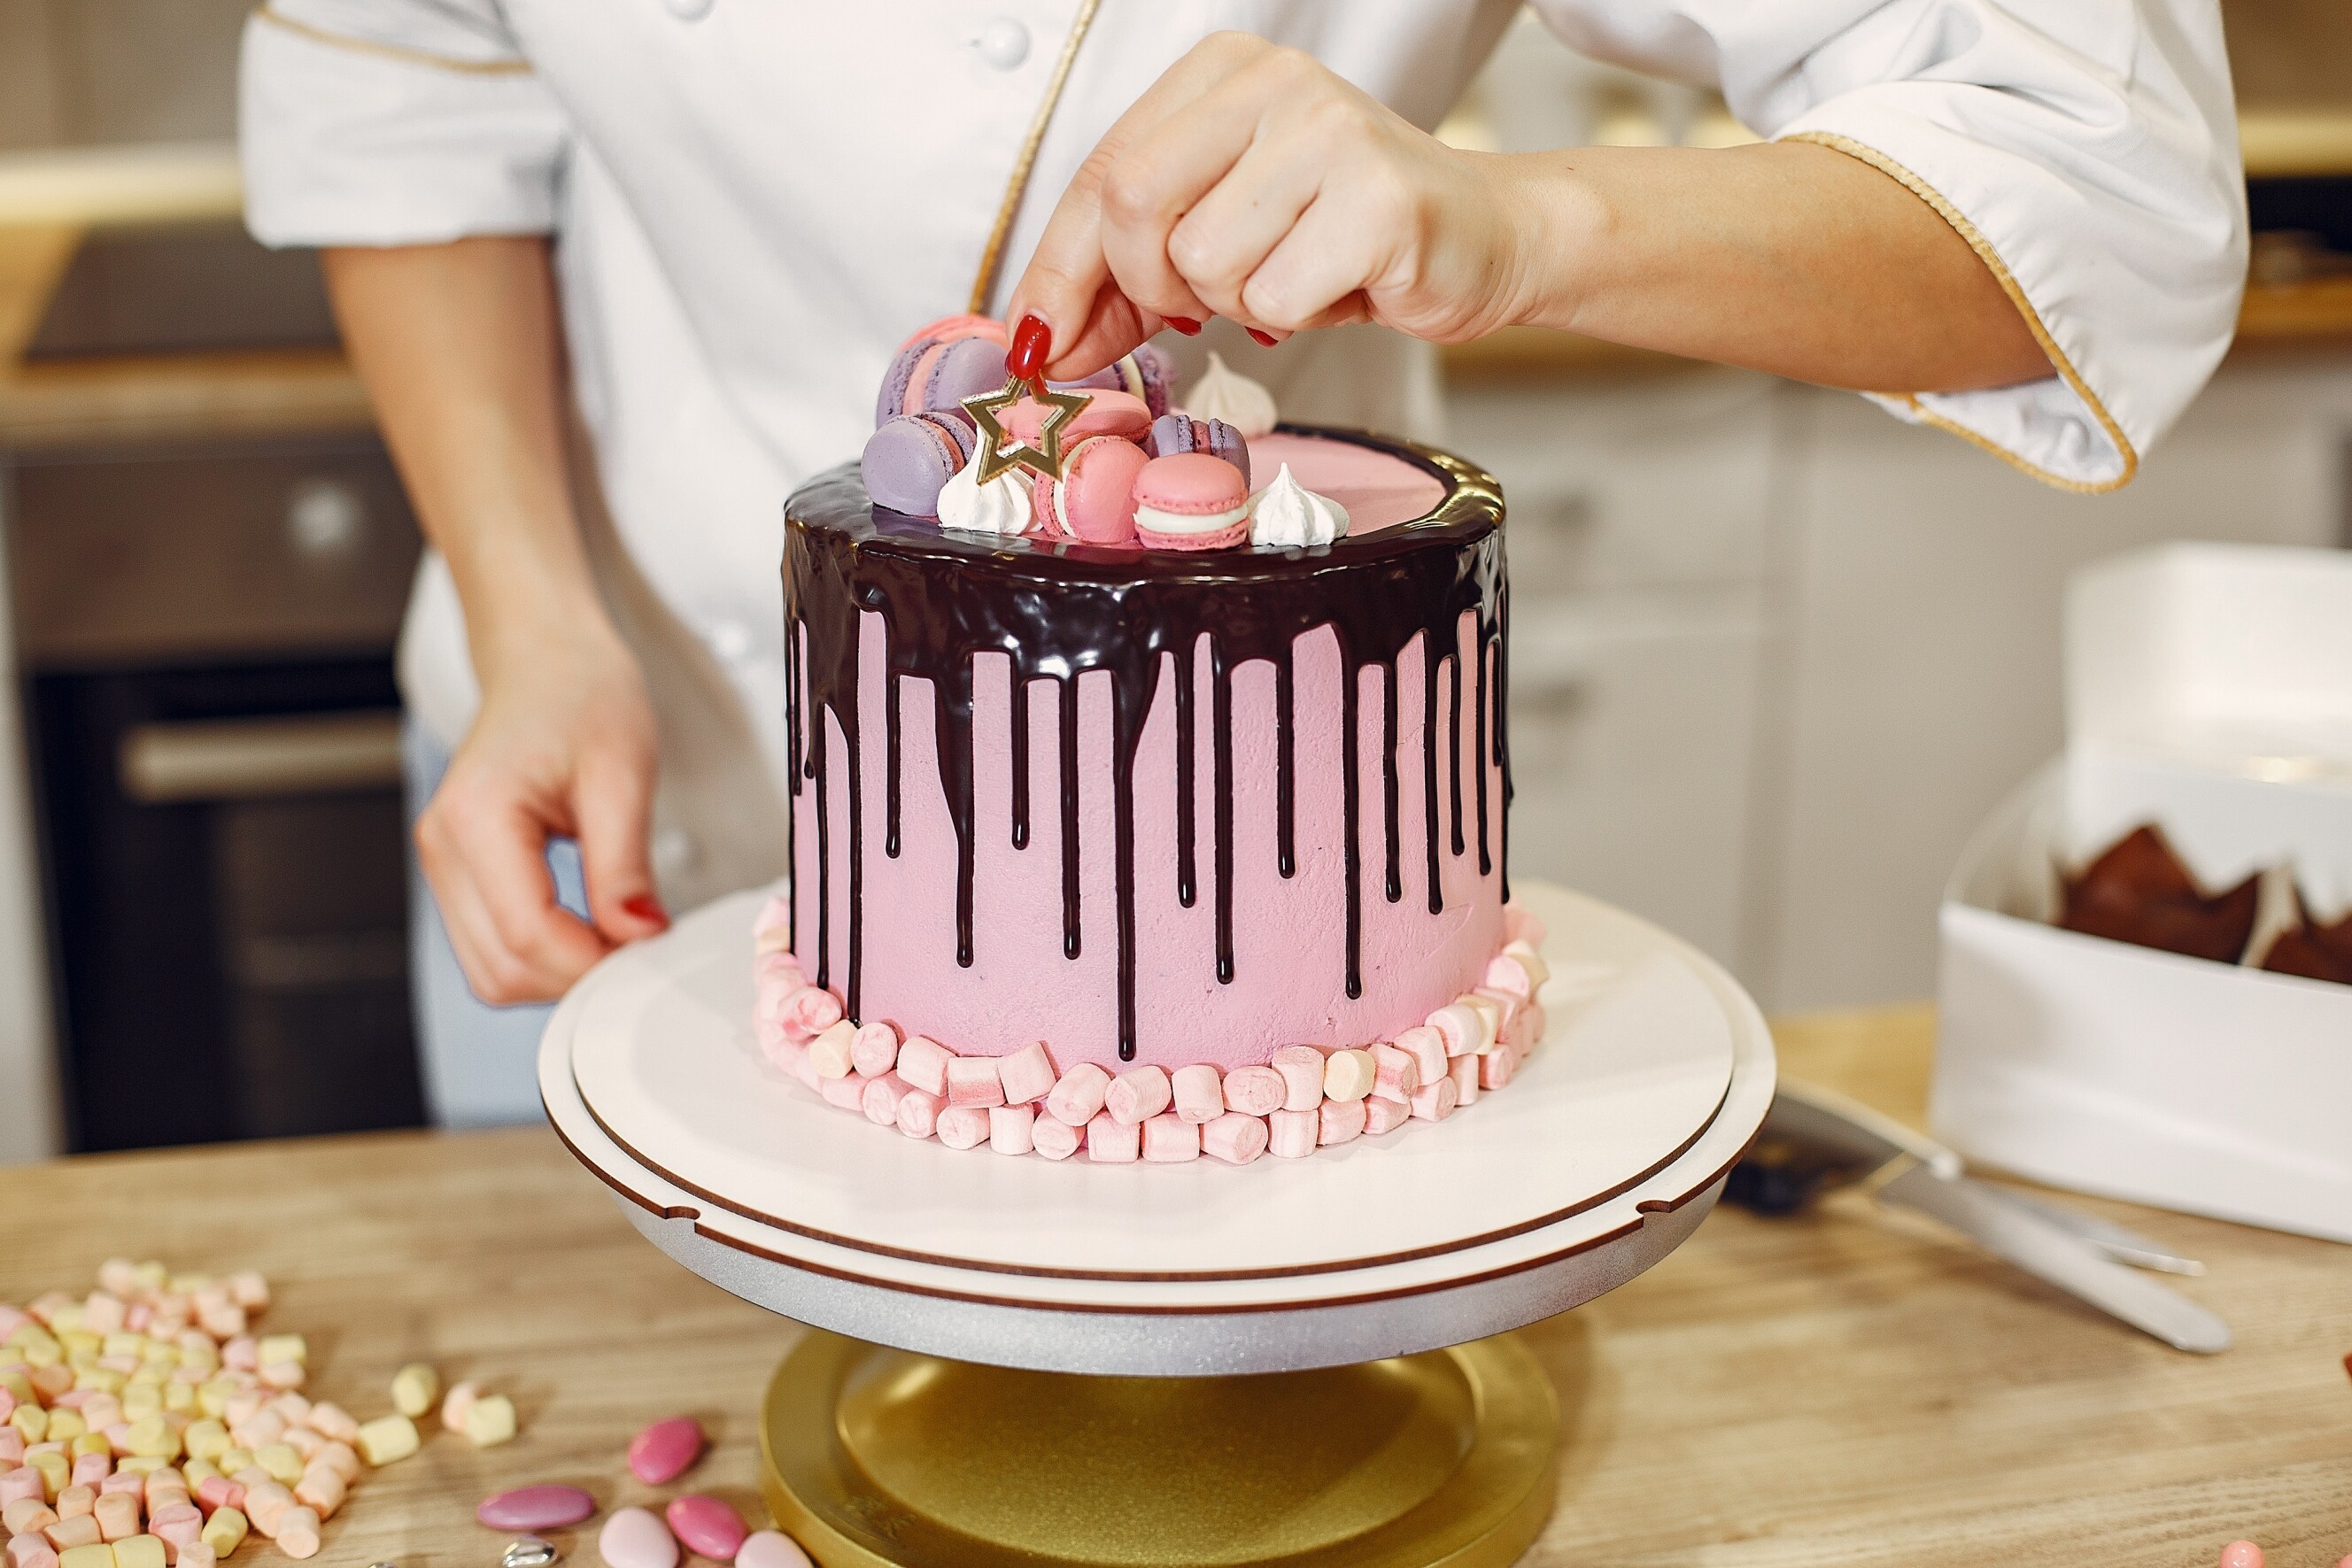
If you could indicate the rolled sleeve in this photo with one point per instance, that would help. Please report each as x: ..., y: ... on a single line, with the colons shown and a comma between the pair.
x: 2088, y: 152
x: 381, y: 122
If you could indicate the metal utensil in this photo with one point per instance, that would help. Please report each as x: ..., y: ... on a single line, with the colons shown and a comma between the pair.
x: 1814, y: 1139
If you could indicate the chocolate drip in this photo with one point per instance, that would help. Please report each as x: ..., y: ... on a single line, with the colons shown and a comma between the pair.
x: 1186, y: 889
x: 1020, y: 762
x: 791, y: 762
x: 890, y: 767
x: 1453, y: 729
x: 1069, y: 737
x: 1395, y: 885
x: 1478, y: 754
x: 1060, y: 610
x: 1286, y: 747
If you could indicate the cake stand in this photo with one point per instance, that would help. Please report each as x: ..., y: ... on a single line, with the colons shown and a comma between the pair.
x: 1304, y: 1362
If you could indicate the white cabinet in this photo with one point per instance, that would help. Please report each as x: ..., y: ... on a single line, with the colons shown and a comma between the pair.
x: 1775, y: 654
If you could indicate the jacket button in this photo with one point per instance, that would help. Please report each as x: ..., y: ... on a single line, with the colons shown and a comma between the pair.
x: 688, y: 10
x: 1003, y: 42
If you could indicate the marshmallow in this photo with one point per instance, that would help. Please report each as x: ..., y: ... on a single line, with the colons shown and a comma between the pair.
x: 1488, y: 1008
x: 963, y: 1126
x: 1506, y: 973
x: 321, y: 1490
x: 1233, y: 1137
x: 382, y: 1441
x: 1138, y: 1094
x: 918, y: 1112
x: 460, y: 1399
x: 923, y: 1063
x: 1348, y: 1074
x: 874, y: 1049
x: 1521, y: 924
x: 225, y: 1531
x: 1169, y: 1139
x: 1198, y: 1092
x: 1291, y: 1134
x: 1532, y: 1021
x: 769, y: 927
x: 31, y: 1550
x: 972, y: 1082
x: 1426, y: 1046
x: 1396, y: 1075
x: 1340, y: 1120
x: 345, y: 1460
x: 1011, y: 1129
x: 196, y: 1553
x: 1385, y: 1115
x: 1027, y: 1075
x: 1256, y: 1090
x: 1508, y: 1007
x: 118, y: 1516
x: 1464, y: 1076
x: 1436, y: 1101
x: 1054, y: 1138
x: 880, y: 1099
x: 829, y: 1053
x: 266, y: 1504
x: 73, y: 1501
x: 89, y: 1469
x: 1301, y: 1067
x: 847, y: 1092
x: 1080, y: 1094
x: 298, y: 1535
x: 331, y: 1421
x: 1111, y: 1142
x: 73, y: 1530
x: 489, y: 1421
x: 809, y: 1012
x: 1496, y: 1067
x: 1463, y: 1026
x: 24, y: 1515
x: 86, y: 1554
x: 1522, y: 951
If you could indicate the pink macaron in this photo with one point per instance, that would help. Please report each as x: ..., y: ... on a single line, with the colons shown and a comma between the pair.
x: 1094, y: 500
x: 1191, y: 501
x: 948, y: 327
x: 1118, y: 414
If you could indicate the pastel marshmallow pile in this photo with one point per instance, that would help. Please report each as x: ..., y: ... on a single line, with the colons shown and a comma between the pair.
x: 1307, y: 1098
x: 145, y: 1425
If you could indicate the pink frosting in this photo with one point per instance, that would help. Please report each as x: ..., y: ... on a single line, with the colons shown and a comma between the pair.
x: 1289, y: 983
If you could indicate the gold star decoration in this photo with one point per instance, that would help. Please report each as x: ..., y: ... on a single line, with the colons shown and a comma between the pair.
x: 996, y: 458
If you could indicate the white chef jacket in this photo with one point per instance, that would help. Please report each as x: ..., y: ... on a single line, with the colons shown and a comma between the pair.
x: 757, y: 200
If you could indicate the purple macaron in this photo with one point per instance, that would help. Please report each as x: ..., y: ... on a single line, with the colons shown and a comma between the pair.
x: 909, y: 460
x: 939, y: 374
x: 1147, y: 373
x: 1174, y: 433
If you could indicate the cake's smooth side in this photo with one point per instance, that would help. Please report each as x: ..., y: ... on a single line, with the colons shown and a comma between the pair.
x: 1289, y: 942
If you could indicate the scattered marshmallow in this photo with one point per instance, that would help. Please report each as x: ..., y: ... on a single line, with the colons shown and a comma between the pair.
x: 1026, y: 1075
x: 1255, y: 1090
x: 1079, y: 1096
x: 1138, y: 1094
x: 1011, y: 1129
x: 972, y: 1082
x: 1291, y: 1134
x: 1111, y: 1142
x: 1198, y: 1092
x: 1169, y: 1139
x: 1234, y: 1138
x: 923, y: 1063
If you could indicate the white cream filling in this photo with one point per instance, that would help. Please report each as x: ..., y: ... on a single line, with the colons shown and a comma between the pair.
x: 1153, y: 520
x: 998, y: 507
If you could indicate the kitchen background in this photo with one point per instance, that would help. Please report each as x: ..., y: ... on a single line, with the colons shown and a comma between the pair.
x: 1776, y: 654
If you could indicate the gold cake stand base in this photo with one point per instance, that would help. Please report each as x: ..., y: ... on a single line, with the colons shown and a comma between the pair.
x: 883, y: 1458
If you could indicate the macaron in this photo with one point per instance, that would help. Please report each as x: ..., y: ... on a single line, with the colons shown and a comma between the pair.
x: 1094, y: 500
x: 1117, y: 414
x: 1148, y: 373
x: 948, y: 327
x: 940, y: 375
x: 1190, y: 500
x: 1174, y: 433
x: 910, y: 459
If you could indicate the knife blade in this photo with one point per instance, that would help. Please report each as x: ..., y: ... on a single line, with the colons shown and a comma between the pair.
x: 2051, y: 1254
x: 2122, y: 1245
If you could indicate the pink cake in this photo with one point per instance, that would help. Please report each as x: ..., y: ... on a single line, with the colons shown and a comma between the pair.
x: 1117, y: 849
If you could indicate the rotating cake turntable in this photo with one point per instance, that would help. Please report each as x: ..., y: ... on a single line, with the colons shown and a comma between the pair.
x: 1304, y: 1362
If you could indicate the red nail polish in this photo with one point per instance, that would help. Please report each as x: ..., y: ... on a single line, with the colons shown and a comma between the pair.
x: 1263, y: 339
x: 1033, y: 342
x: 1184, y: 324
x: 645, y: 906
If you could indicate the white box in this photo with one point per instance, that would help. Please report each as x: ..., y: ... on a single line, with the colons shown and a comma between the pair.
x: 2208, y: 691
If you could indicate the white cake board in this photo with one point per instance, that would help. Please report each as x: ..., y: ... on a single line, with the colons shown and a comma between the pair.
x: 1601, y: 1155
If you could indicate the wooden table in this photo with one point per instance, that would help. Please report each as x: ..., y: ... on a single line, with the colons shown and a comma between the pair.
x: 1849, y: 1387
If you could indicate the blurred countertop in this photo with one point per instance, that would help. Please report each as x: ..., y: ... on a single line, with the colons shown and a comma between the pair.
x: 47, y: 203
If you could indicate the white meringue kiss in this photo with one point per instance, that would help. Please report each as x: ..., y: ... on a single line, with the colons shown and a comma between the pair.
x: 1286, y: 515
x: 1227, y: 394
x: 999, y: 506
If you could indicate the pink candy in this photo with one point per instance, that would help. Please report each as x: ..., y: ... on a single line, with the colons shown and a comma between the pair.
x: 881, y: 1097
x: 1463, y: 1026
x: 972, y: 1082
x: 548, y: 1507
x: 1496, y: 1068
x: 1256, y: 1090
x: 1383, y: 1116
x: 636, y: 1538
x: 1171, y: 1140
x: 666, y: 1449
x: 1054, y: 1138
x: 1013, y: 1129
x: 1234, y: 1138
x: 845, y: 1090
x: 1079, y: 1096
x: 1111, y: 1142
x: 709, y: 1526
x: 809, y: 1012
x: 919, y: 1113
x: 923, y: 1063
x: 963, y: 1126
x: 1396, y: 1074
x: 1464, y: 1074
x: 1521, y: 924
x: 1301, y: 1067
x: 769, y: 1549
x: 874, y: 1049
x: 1138, y: 1095
x: 1291, y: 1134
x: 1436, y: 1101
x: 1027, y: 1075
x: 1198, y: 1092
x: 1340, y: 1120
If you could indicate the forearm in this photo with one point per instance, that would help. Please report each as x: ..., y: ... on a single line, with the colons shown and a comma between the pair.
x: 459, y: 348
x: 1787, y: 258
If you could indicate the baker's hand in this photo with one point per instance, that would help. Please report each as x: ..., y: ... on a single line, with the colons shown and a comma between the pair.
x: 564, y: 745
x: 1251, y: 183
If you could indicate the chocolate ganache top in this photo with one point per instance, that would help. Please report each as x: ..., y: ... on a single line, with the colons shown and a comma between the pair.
x: 1058, y: 609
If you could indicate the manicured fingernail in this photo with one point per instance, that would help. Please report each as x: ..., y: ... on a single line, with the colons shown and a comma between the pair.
x: 1263, y: 339
x: 1184, y: 324
x: 645, y: 906
x: 1032, y: 343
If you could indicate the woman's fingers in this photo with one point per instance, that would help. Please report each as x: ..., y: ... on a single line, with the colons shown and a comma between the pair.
x: 613, y: 805
x: 483, y: 846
